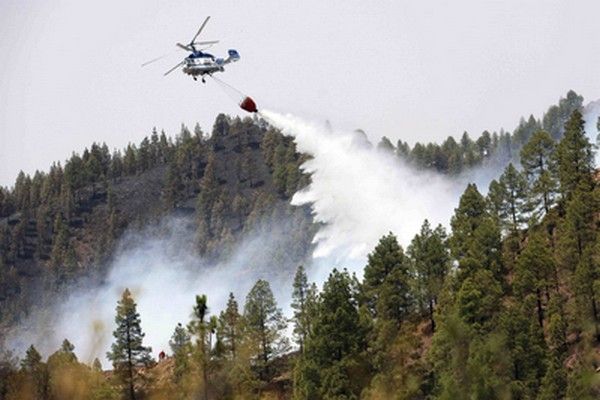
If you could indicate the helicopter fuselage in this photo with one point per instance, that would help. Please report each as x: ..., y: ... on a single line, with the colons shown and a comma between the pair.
x: 199, y: 64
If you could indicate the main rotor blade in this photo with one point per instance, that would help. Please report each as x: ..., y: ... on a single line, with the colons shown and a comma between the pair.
x: 154, y: 59
x: 174, y: 68
x: 200, y: 30
x: 183, y: 46
x: 204, y: 43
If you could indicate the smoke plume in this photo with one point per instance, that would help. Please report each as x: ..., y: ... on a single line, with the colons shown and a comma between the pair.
x: 164, y: 274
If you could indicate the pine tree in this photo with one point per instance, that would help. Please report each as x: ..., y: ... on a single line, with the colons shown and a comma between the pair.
x: 386, y: 273
x: 265, y: 326
x: 127, y: 352
x: 37, y: 373
x: 554, y: 383
x: 484, y: 145
x: 230, y: 327
x: 468, y: 353
x: 495, y: 198
x: 535, y: 272
x: 431, y: 263
x: 21, y: 191
x: 527, y: 348
x: 576, y: 231
x: 181, y: 347
x: 303, y: 304
x: 144, y: 154
x: 66, y: 349
x: 173, y: 185
x: 60, y: 242
x: 201, y: 329
x: 487, y: 370
x: 475, y: 241
x: 32, y: 359
x: 331, y: 367
x: 469, y: 215
x: 385, y: 145
x: 575, y: 158
x: 538, y: 166
x: 130, y: 160
x: 67, y: 202
x: 180, y: 339
x: 164, y: 146
x: 513, y: 209
x: 41, y: 218
x: 586, y: 286
x: 116, y: 166
x: 556, y: 116
x: 478, y: 300
x: 387, y: 295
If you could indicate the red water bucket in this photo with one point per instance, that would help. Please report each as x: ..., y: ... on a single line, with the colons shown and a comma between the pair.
x: 248, y: 104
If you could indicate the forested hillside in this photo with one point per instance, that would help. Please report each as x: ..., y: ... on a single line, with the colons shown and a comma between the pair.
x: 502, y: 305
x: 60, y: 226
x: 493, y: 149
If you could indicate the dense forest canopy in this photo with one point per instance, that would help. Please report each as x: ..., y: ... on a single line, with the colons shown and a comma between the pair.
x: 501, y: 305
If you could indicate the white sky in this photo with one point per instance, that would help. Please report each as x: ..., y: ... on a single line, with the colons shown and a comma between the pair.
x: 70, y: 69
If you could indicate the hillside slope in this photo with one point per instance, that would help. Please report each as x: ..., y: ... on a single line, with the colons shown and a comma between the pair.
x: 58, y: 227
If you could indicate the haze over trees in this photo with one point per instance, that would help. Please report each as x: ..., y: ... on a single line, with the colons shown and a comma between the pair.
x: 502, y: 305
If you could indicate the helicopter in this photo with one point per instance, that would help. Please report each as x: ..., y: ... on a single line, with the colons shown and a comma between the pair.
x: 198, y: 62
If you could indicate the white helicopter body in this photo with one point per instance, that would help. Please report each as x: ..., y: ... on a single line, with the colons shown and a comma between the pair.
x: 199, y: 63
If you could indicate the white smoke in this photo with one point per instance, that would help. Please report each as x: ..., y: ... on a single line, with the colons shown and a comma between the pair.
x: 164, y: 274
x: 361, y: 193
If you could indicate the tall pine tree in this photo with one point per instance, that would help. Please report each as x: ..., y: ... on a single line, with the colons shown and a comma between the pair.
x: 539, y: 168
x: 331, y: 367
x: 265, y: 326
x: 230, y: 327
x: 303, y: 304
x: 128, y: 353
x: 575, y: 158
x: 431, y: 263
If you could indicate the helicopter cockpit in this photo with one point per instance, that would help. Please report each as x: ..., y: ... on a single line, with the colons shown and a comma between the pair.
x: 199, y: 54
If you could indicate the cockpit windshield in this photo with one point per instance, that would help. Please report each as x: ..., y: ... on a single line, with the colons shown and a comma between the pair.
x: 199, y: 54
